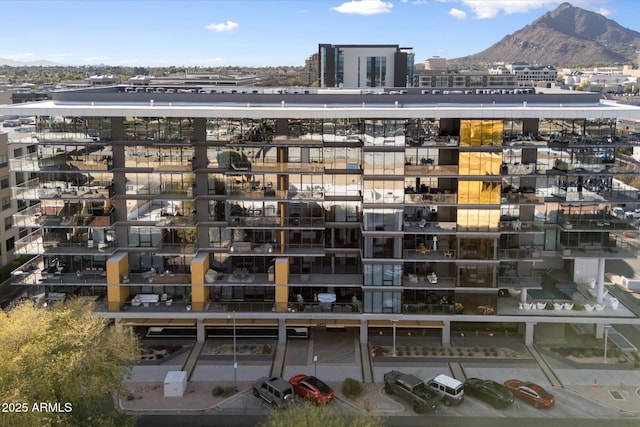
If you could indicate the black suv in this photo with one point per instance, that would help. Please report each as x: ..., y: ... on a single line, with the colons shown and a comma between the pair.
x: 274, y: 390
x: 412, y: 389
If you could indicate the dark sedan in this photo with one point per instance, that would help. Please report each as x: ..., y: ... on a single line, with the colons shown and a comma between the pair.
x: 309, y: 387
x: 531, y: 393
x: 491, y: 392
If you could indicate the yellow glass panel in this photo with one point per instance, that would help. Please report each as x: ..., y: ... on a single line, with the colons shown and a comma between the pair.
x: 479, y: 163
x: 474, y: 133
x: 478, y: 219
x: 476, y: 192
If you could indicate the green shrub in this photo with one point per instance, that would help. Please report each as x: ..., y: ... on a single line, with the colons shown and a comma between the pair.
x: 217, y: 391
x: 352, y: 389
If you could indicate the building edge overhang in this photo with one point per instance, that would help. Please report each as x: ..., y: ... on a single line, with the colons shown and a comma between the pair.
x: 600, y: 110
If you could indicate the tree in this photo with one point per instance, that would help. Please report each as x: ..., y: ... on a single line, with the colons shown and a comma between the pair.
x: 63, y: 365
x: 310, y: 415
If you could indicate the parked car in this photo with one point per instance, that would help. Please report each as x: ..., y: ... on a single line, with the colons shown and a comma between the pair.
x: 489, y: 391
x: 412, y: 389
x: 634, y: 214
x: 531, y: 393
x: 311, y: 388
x: 274, y: 390
x: 449, y: 389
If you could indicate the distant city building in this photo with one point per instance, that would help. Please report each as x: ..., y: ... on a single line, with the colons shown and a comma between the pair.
x: 498, y: 69
x: 197, y: 79
x: 353, y: 66
x: 435, y: 63
x: 103, y: 80
x: 532, y: 75
x: 311, y: 70
x: 464, y: 80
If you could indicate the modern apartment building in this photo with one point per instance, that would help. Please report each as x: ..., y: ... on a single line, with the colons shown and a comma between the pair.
x: 327, y: 208
x: 355, y: 66
x: 8, y: 234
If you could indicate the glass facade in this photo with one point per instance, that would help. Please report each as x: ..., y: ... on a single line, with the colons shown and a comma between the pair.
x: 425, y: 214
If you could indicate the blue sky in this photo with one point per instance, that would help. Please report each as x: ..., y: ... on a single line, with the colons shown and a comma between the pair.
x: 263, y: 32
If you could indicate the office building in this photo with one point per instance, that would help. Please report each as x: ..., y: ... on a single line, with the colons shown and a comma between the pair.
x: 355, y: 66
x: 328, y: 208
x: 435, y: 63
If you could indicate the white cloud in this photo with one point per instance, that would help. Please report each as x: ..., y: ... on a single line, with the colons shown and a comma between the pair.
x: 223, y: 27
x: 364, y: 7
x: 484, y: 9
x: 457, y: 13
x: 605, y: 11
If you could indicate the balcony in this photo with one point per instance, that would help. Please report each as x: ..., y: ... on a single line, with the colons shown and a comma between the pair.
x: 424, y: 226
x: 521, y: 198
x: 427, y: 254
x: 445, y: 198
x: 428, y: 281
x: 177, y: 221
x: 439, y: 141
x: 424, y: 169
x: 30, y: 217
x: 517, y: 226
x: 176, y: 249
x: 520, y: 282
x: 166, y: 278
x: 580, y: 223
x: 525, y: 252
x: 273, y: 221
x: 614, y: 248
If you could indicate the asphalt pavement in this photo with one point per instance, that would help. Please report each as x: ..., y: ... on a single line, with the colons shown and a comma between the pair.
x: 603, y: 391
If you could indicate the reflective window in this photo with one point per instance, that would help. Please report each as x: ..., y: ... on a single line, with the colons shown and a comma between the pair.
x: 479, y: 192
x: 481, y: 132
x: 382, y: 163
x: 480, y: 163
x: 478, y: 220
x: 379, y: 191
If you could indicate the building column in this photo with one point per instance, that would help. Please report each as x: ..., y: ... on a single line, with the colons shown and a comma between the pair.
x: 282, y: 330
x: 523, y: 295
x: 528, y: 334
x: 600, y: 330
x: 446, y: 333
x: 600, y: 288
x: 364, y: 332
x: 201, y: 335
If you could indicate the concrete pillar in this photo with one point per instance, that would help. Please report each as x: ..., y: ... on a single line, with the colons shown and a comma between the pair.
x: 523, y: 296
x: 201, y: 335
x: 364, y: 332
x: 599, y: 330
x: 446, y: 333
x: 528, y: 334
x: 600, y: 288
x: 282, y: 330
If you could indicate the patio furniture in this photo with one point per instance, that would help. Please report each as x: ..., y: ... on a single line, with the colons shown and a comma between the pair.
x: 568, y: 306
x: 541, y: 305
x: 558, y: 306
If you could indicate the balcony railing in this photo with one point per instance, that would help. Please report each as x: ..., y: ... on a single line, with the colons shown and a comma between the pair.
x: 615, y: 247
x: 427, y: 254
x: 530, y: 282
x: 429, y: 198
x: 428, y: 281
x: 524, y: 252
x: 430, y: 169
x: 429, y: 226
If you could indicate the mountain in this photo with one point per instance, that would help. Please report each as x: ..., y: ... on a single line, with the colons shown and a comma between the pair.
x: 567, y: 35
x: 42, y: 63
